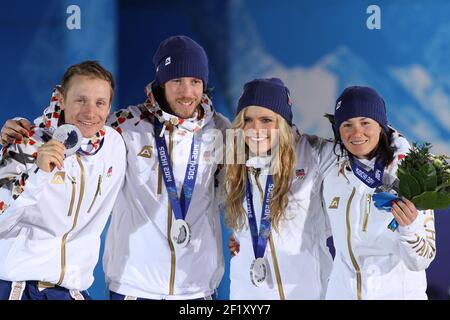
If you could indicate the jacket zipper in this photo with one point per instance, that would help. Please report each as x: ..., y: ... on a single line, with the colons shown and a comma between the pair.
x: 350, y: 250
x: 64, y: 238
x: 367, y: 212
x: 98, y: 192
x: 169, y: 227
x: 158, y: 190
x: 276, y: 268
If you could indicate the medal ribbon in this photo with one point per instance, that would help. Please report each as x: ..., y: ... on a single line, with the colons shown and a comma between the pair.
x: 373, y: 178
x: 180, y: 206
x: 260, y: 241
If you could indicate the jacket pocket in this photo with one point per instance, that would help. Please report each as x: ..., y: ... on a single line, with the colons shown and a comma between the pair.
x: 98, y: 192
x: 367, y: 205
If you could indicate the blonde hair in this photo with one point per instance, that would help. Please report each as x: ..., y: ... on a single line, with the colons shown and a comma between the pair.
x: 283, y: 172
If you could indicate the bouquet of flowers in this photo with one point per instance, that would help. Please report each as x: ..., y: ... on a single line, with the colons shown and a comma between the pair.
x: 423, y: 178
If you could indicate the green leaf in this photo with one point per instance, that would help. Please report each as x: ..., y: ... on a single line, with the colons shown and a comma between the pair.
x: 409, y: 187
x: 442, y: 186
x: 430, y: 181
x: 420, y: 177
x: 402, y: 170
x: 432, y: 200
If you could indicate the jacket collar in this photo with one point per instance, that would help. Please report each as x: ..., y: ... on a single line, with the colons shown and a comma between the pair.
x: 192, y: 124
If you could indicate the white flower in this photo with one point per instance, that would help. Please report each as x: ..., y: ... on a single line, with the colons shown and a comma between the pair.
x: 437, y: 163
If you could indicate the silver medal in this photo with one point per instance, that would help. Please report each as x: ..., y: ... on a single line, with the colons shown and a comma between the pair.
x: 70, y: 136
x: 259, y: 271
x: 180, y: 233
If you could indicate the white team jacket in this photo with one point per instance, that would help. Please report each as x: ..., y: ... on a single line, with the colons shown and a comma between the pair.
x: 139, y: 260
x: 51, y: 232
x: 371, y: 261
x: 303, y: 258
